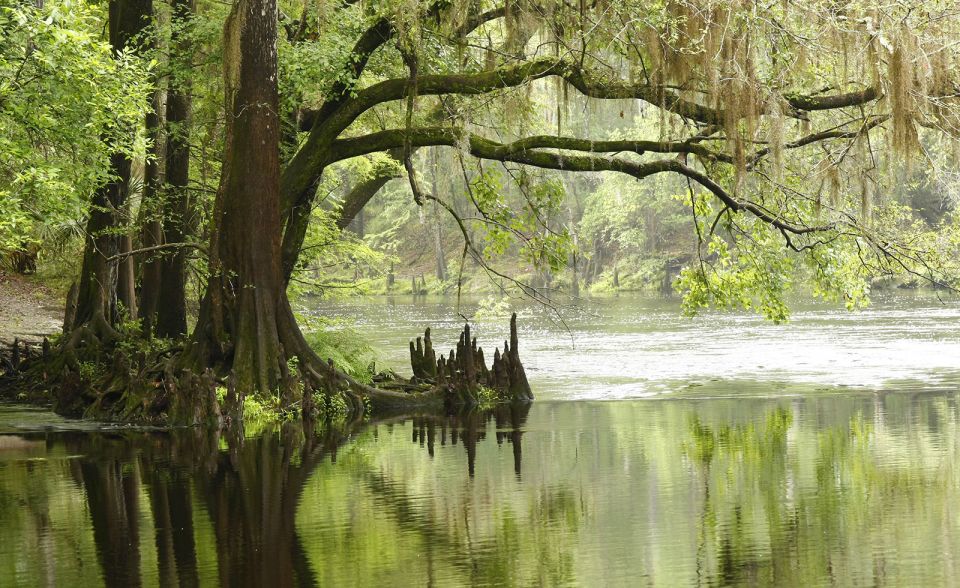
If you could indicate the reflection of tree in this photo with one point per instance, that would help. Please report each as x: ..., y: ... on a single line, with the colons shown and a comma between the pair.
x: 851, y: 490
x: 514, y: 549
x: 252, y: 497
x: 111, y: 479
x: 38, y: 505
x: 168, y: 466
x: 469, y: 427
x: 111, y: 472
x: 779, y: 513
x: 173, y: 519
x: 752, y: 452
x: 251, y: 492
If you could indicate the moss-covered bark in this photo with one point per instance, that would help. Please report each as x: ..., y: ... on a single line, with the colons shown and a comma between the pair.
x: 240, y: 324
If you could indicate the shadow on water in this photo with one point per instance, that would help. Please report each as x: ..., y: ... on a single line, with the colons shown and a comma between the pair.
x: 799, y: 491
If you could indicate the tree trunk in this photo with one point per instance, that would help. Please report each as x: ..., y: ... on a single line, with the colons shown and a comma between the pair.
x: 126, y: 276
x: 97, y: 287
x: 177, y: 221
x: 152, y: 230
x: 438, y: 230
x: 245, y: 306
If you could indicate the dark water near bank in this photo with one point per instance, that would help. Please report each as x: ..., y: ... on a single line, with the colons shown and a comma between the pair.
x: 789, y: 474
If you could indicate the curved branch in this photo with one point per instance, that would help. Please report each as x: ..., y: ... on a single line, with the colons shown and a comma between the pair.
x: 300, y: 177
x: 304, y: 170
x: 428, y: 136
x: 475, y: 20
x: 590, y: 84
x: 358, y: 197
x: 528, y: 152
x: 369, y: 42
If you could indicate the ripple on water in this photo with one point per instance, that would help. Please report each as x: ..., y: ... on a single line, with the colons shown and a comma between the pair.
x: 634, y: 347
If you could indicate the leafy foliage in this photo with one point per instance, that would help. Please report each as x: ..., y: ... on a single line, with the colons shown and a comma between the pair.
x: 66, y: 103
x: 348, y: 350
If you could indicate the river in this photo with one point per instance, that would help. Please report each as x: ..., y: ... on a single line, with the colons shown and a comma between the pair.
x: 664, y: 451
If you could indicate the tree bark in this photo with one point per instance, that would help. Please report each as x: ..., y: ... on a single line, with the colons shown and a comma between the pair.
x: 152, y: 229
x: 240, y: 320
x: 126, y: 276
x: 177, y: 221
x: 441, y: 267
x: 97, y: 287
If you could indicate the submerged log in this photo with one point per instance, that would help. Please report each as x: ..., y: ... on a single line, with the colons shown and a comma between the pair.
x: 463, y: 372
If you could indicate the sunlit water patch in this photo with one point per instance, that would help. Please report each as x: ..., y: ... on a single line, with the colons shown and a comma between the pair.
x: 633, y: 347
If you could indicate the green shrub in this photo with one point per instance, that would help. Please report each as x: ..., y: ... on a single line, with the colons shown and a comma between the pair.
x: 349, y: 352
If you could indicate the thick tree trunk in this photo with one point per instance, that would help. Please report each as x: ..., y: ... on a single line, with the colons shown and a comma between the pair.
x: 152, y: 230
x: 295, y: 231
x: 97, y: 287
x: 246, y: 325
x: 240, y: 322
x: 127, y: 278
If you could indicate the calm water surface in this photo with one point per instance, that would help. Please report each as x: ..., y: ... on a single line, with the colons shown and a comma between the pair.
x: 824, y: 452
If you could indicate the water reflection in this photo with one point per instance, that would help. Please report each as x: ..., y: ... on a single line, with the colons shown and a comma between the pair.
x: 803, y: 491
x: 470, y: 427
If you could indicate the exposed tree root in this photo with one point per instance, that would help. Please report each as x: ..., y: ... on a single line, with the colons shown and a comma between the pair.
x: 95, y: 373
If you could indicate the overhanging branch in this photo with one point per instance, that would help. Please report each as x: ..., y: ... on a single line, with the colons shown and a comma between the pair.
x: 529, y: 151
x: 590, y: 84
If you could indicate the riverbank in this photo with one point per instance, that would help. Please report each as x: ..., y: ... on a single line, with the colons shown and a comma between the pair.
x: 29, y: 311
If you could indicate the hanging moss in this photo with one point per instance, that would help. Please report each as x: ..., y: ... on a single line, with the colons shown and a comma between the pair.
x: 901, y: 81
